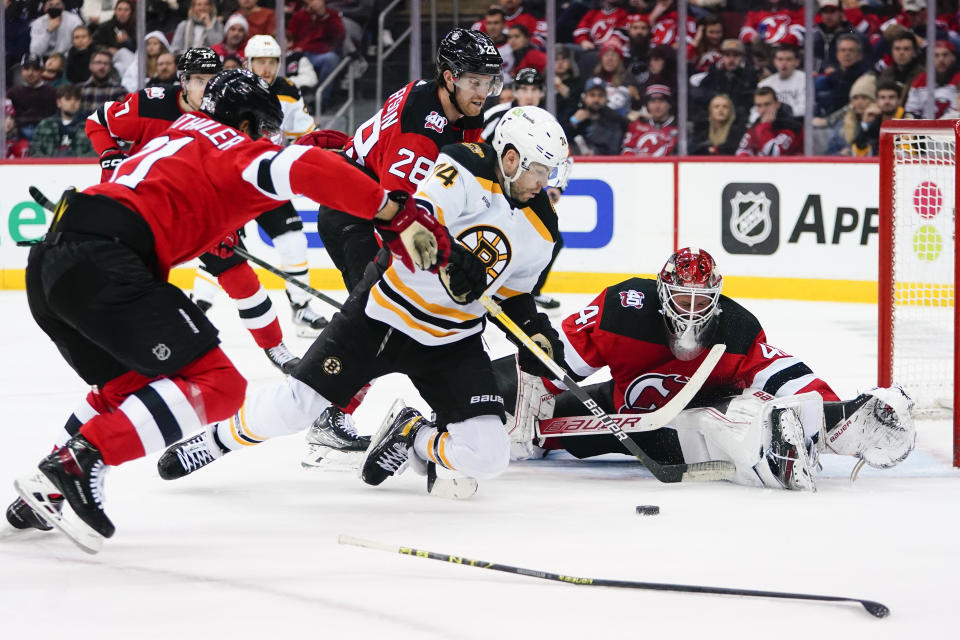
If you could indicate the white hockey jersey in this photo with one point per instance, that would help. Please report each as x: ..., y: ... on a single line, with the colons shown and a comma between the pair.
x: 296, y: 120
x: 514, y: 241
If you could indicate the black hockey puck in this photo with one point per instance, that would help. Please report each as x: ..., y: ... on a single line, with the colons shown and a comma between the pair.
x: 648, y: 509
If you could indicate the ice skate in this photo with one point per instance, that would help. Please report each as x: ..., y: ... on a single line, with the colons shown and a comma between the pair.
x: 787, y: 457
x: 454, y: 488
x: 282, y: 358
x: 191, y: 454
x: 332, y: 440
x: 308, y: 322
x: 21, y: 516
x: 389, y: 451
x: 546, y: 302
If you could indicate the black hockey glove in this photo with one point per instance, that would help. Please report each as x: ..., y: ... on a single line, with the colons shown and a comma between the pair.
x: 109, y: 161
x: 523, y: 311
x: 465, y: 276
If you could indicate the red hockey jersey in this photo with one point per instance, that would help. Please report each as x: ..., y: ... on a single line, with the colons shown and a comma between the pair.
x: 665, y: 31
x: 400, y: 143
x: 783, y: 26
x: 650, y: 139
x: 622, y: 329
x: 201, y: 180
x: 599, y: 25
x: 771, y: 139
x: 136, y: 119
x: 944, y: 96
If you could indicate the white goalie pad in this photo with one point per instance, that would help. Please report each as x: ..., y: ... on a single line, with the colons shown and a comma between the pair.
x: 534, y: 403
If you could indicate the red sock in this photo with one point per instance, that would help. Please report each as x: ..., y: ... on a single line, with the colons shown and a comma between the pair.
x: 256, y: 311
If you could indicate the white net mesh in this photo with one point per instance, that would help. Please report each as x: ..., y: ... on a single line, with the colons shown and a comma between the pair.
x: 923, y: 267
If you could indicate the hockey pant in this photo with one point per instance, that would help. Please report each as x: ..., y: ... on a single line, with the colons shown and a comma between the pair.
x: 285, y: 228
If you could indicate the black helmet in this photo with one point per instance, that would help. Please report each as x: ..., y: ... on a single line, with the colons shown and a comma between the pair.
x: 198, y: 60
x: 528, y: 76
x: 468, y: 51
x: 236, y: 95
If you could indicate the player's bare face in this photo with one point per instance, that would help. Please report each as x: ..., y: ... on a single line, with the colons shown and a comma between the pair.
x: 691, y: 304
x: 266, y: 68
x: 196, y: 85
x: 530, y: 182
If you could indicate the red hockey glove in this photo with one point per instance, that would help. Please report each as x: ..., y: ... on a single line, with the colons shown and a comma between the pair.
x: 224, y: 250
x: 414, y: 235
x: 324, y: 138
x: 109, y: 161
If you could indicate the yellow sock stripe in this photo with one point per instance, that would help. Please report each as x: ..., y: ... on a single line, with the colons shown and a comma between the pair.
x: 430, y: 444
x: 235, y: 435
x: 443, y: 456
x: 241, y: 432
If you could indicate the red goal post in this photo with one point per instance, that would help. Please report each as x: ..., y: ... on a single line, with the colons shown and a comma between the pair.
x: 918, y: 266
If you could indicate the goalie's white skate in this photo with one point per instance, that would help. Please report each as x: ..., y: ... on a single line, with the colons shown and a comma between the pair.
x: 787, y: 457
x: 35, y: 491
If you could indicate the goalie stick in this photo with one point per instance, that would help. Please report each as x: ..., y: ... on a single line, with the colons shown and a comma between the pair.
x: 710, y: 470
x: 873, y: 608
x: 589, y: 425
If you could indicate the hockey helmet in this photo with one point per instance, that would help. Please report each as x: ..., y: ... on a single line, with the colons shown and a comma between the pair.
x: 536, y: 135
x: 198, y: 60
x: 261, y: 46
x: 469, y: 51
x: 689, y: 290
x: 528, y: 76
x: 236, y: 95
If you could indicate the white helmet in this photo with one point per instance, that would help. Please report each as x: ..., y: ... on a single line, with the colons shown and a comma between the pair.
x: 537, y: 137
x: 262, y: 46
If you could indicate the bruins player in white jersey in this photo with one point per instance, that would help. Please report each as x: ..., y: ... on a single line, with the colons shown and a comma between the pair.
x: 282, y: 224
x: 426, y: 323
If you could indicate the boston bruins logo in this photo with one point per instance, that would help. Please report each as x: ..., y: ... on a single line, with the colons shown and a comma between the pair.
x: 332, y: 365
x: 490, y: 245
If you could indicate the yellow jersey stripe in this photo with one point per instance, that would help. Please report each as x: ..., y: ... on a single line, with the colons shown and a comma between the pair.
x: 396, y: 283
x: 506, y: 292
x: 489, y: 185
x: 537, y: 224
x: 381, y: 300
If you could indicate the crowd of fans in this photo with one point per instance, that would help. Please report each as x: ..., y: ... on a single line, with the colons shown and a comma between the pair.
x: 615, y: 65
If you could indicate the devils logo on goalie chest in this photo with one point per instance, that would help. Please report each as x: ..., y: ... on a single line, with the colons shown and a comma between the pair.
x: 490, y: 246
x: 651, y: 391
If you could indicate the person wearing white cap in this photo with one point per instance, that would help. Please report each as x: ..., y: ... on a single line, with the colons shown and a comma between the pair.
x: 236, y: 30
x: 156, y: 44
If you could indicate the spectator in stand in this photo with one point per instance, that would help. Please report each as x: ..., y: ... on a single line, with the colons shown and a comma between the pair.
x: 731, y: 77
x: 833, y: 87
x: 664, y: 19
x: 638, y: 41
x: 53, y: 70
x: 621, y: 89
x: 595, y: 129
x: 318, y: 32
x: 200, y: 29
x: 495, y: 26
x: 62, y: 135
x: 78, y: 57
x: 120, y: 31
x: 16, y: 32
x: 52, y: 32
x: 236, y: 32
x: 261, y: 21
x: 832, y: 24
x: 775, y: 132
x: 34, y: 99
x: 567, y: 82
x: 885, y: 108
x: 914, y: 18
x: 863, y: 93
x: 17, y: 145
x: 656, y: 135
x: 788, y: 82
x: 775, y: 22
x: 524, y: 54
x: 661, y: 69
x: 166, y: 73
x: 164, y: 15
x: 904, y: 63
x: 99, y: 87
x: 720, y: 134
x: 599, y: 26
x: 515, y: 14
x: 704, y: 53
x: 355, y: 15
x: 760, y: 55
x: 156, y: 44
x: 234, y: 62
x: 947, y: 80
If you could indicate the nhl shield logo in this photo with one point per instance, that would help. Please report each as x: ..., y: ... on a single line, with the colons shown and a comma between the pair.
x: 161, y: 351
x: 750, y: 218
x: 435, y: 121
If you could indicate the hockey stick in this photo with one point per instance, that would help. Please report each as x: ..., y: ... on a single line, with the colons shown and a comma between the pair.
x: 45, y: 202
x: 710, y: 470
x: 873, y: 608
x: 590, y: 426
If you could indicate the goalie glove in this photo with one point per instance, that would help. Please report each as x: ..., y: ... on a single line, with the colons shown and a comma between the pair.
x: 109, y: 161
x: 465, y: 276
x: 324, y: 138
x: 414, y: 236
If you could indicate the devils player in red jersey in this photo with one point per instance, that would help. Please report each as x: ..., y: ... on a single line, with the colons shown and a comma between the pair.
x: 97, y: 285
x: 653, y: 335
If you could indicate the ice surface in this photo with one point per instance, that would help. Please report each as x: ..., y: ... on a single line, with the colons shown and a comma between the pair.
x: 248, y: 547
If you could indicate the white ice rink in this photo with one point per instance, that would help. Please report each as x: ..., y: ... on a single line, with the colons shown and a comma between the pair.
x: 248, y: 547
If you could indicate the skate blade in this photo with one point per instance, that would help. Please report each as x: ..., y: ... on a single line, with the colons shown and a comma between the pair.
x: 330, y: 459
x: 307, y: 332
x: 453, y: 488
x: 388, y: 419
x: 34, y: 490
x: 803, y: 478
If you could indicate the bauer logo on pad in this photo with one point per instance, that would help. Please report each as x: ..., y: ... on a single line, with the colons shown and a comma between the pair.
x: 750, y: 218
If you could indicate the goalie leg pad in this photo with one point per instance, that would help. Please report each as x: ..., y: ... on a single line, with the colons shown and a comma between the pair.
x: 534, y: 403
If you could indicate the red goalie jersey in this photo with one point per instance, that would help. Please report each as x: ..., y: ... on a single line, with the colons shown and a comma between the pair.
x: 623, y: 329
x: 400, y: 143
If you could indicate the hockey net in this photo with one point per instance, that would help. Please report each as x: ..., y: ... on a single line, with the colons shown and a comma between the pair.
x: 918, y: 265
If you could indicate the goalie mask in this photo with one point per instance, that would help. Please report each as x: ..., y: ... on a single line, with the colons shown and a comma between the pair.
x: 689, y: 290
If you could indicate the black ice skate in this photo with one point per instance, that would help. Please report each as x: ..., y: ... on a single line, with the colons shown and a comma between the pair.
x: 308, y: 322
x: 787, y: 457
x: 282, y: 358
x: 546, y: 302
x: 191, y: 454
x: 21, y: 516
x: 332, y: 439
x: 389, y: 451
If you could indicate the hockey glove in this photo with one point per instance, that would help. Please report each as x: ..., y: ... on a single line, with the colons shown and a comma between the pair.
x: 109, y: 161
x: 414, y: 236
x: 224, y: 250
x: 465, y: 276
x: 324, y: 138
x: 523, y: 311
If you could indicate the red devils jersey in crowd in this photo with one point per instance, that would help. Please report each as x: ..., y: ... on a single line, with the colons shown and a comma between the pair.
x: 536, y: 28
x: 783, y: 26
x: 139, y: 117
x: 944, y: 96
x: 622, y: 329
x: 665, y: 31
x: 599, y: 25
x: 651, y: 139
x: 180, y: 182
x: 401, y: 142
x: 771, y: 139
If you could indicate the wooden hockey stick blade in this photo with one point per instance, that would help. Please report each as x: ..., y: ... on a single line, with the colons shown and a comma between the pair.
x: 873, y: 608
x: 246, y: 255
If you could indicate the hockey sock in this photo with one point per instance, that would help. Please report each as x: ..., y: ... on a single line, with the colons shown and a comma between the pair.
x: 161, y: 412
x: 292, y: 247
x: 91, y: 407
x: 356, y: 399
x: 254, y: 305
x: 430, y: 444
x: 204, y: 287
